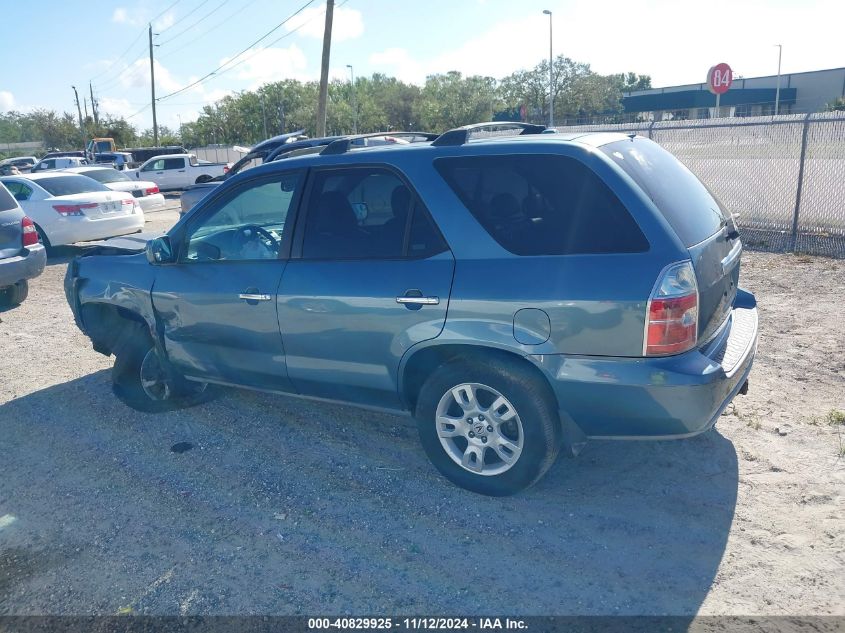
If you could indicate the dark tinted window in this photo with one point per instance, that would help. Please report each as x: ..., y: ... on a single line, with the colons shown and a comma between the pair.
x: 105, y: 175
x: 6, y: 200
x: 364, y: 213
x: 174, y: 163
x: 689, y: 207
x: 68, y: 185
x: 542, y: 204
x: 19, y: 190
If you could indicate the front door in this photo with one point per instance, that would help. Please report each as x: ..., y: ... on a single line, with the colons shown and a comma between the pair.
x: 217, y: 305
x: 370, y: 278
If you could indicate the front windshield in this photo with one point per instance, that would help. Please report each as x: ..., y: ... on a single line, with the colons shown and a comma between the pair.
x: 106, y: 175
x: 70, y: 185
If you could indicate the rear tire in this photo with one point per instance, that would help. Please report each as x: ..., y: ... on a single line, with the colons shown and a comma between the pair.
x: 45, y: 241
x: 15, y: 294
x: 144, y: 382
x: 506, y: 432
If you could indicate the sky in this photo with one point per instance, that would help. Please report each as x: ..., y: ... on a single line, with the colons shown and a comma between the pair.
x: 106, y: 43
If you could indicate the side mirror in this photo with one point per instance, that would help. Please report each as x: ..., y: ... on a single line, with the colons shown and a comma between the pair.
x: 159, y: 251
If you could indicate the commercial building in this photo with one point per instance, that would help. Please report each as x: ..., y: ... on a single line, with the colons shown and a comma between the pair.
x: 754, y: 96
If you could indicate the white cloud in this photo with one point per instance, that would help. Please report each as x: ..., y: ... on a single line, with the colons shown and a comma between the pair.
x: 7, y: 101
x: 497, y: 52
x: 347, y: 24
x: 120, y: 16
x: 398, y: 62
x: 138, y: 76
x: 115, y: 106
x: 264, y: 65
x: 164, y: 22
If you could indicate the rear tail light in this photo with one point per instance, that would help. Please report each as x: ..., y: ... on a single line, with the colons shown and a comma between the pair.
x: 68, y: 210
x: 129, y: 202
x: 151, y: 191
x: 225, y: 169
x: 672, y: 313
x: 29, y: 236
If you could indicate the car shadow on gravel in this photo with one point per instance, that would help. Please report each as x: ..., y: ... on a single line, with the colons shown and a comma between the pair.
x: 283, y: 506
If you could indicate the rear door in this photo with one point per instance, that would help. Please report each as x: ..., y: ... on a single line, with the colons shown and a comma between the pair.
x: 698, y: 218
x: 370, y: 278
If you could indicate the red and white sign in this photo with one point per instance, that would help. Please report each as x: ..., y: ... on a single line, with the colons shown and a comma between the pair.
x: 719, y: 79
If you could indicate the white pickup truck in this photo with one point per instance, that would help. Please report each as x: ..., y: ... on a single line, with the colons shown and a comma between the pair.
x: 177, y: 171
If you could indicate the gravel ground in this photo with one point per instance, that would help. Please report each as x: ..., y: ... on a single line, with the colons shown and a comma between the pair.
x: 289, y: 507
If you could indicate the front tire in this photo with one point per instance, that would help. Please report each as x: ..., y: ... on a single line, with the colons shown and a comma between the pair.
x: 490, y: 427
x: 144, y: 382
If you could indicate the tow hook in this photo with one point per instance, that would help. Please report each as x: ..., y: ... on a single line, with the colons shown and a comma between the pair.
x: 744, y: 389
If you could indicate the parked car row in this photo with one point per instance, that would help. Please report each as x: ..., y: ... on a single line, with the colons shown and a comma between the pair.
x: 517, y: 295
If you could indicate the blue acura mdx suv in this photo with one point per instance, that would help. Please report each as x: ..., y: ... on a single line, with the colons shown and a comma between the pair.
x: 516, y: 294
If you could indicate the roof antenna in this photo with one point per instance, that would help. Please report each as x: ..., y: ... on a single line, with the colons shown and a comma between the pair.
x: 632, y: 136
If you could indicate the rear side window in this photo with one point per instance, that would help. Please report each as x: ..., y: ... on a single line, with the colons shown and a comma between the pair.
x: 366, y: 213
x: 6, y: 200
x: 543, y: 204
x: 174, y: 163
x: 690, y: 208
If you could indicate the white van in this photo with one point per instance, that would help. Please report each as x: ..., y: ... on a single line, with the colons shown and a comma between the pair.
x: 62, y: 162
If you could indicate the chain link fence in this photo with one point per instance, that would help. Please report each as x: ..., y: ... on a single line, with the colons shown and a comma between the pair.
x: 784, y: 176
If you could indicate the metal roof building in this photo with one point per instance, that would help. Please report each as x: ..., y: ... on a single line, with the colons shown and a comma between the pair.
x: 755, y: 96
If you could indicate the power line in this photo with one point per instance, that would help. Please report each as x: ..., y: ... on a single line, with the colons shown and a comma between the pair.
x: 118, y: 58
x: 203, y: 34
x: 229, y: 61
x: 202, y: 19
x: 184, y: 17
x: 276, y: 41
x: 165, y: 11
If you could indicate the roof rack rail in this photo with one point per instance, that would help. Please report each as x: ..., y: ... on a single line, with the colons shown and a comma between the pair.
x: 343, y: 145
x: 460, y: 135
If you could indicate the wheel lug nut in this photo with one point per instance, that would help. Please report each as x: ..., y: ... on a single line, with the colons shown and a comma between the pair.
x: 489, y: 429
x: 481, y: 418
x: 469, y: 420
x: 484, y: 439
x: 471, y: 434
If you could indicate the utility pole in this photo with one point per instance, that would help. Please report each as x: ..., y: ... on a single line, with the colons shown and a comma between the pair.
x: 777, y: 90
x: 354, y: 100
x: 281, y: 117
x: 551, y: 74
x: 79, y: 110
x: 153, y: 88
x: 324, y: 71
x: 264, y: 114
x: 94, y: 106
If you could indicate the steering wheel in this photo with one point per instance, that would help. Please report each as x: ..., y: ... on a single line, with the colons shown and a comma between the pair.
x: 250, y: 232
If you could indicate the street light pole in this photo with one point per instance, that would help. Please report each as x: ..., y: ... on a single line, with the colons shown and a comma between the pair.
x: 777, y: 89
x: 551, y: 74
x: 354, y: 100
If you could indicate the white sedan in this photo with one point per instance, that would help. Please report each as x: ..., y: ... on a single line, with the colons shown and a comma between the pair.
x: 68, y: 208
x: 146, y: 192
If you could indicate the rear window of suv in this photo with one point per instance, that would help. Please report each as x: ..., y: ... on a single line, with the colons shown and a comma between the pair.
x: 6, y: 200
x: 687, y: 204
x: 542, y: 204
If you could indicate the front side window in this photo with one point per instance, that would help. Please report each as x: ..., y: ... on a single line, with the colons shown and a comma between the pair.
x: 364, y: 213
x: 156, y: 165
x: 542, y: 204
x: 248, y: 225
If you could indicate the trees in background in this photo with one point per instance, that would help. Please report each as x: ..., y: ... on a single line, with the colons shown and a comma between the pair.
x: 381, y: 103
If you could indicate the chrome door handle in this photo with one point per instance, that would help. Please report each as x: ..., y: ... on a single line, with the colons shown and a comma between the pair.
x: 418, y: 301
x: 254, y: 297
